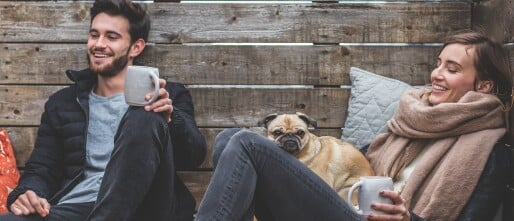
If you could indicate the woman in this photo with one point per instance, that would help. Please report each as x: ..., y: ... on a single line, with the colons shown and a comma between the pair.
x: 452, y: 138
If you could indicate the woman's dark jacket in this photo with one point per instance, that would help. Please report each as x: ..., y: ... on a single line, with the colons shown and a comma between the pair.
x: 59, y: 156
x: 491, y: 187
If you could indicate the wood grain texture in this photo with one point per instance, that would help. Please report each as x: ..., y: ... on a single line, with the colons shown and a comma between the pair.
x: 196, y: 182
x: 300, y: 23
x: 496, y: 18
x: 229, y: 65
x: 216, y: 107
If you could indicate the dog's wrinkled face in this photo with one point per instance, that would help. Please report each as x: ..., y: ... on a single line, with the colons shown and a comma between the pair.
x: 288, y: 131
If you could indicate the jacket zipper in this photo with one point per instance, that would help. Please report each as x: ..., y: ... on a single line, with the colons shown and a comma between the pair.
x: 80, y: 175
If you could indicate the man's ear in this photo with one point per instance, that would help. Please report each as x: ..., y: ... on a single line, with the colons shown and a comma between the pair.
x: 485, y: 86
x: 137, y: 48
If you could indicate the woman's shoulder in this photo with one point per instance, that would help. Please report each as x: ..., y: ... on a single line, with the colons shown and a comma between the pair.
x: 503, y: 145
x: 502, y: 155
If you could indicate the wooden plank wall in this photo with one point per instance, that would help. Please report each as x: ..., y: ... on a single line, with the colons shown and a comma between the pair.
x: 240, y: 60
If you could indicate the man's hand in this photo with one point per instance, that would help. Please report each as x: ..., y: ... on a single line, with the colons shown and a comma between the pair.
x: 163, y: 104
x: 397, y: 211
x: 30, y: 203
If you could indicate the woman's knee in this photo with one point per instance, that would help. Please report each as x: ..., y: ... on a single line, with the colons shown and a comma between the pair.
x: 220, y: 142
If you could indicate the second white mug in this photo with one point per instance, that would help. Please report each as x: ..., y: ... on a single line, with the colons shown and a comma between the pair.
x: 369, y: 192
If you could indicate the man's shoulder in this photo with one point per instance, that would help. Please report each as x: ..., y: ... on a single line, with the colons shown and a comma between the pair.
x: 174, y: 84
x: 62, y: 95
x: 175, y: 88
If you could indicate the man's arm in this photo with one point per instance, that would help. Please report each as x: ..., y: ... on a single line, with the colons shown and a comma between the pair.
x: 42, y: 173
x: 188, y: 143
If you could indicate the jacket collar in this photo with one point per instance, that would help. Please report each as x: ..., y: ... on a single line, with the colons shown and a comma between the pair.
x: 84, y: 80
x: 82, y: 75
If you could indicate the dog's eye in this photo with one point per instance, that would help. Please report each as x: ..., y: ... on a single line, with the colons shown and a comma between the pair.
x: 277, y: 133
x: 300, y: 133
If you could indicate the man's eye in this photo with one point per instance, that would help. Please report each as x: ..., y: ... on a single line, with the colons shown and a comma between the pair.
x: 112, y: 37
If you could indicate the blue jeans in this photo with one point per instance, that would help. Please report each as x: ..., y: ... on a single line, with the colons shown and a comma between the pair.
x: 253, y: 174
x: 139, y: 180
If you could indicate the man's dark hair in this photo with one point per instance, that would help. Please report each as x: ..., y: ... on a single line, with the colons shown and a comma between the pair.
x: 138, y: 18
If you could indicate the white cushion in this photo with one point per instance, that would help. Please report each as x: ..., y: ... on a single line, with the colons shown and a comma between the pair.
x: 373, y: 101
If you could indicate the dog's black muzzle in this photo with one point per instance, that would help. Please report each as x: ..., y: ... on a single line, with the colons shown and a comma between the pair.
x: 290, y: 143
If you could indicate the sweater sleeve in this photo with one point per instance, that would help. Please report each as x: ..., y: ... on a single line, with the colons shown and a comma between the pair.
x: 188, y: 143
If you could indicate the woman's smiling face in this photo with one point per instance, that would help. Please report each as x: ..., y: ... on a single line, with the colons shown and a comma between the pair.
x: 454, y: 75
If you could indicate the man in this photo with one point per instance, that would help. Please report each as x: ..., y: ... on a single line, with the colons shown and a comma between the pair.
x: 96, y: 158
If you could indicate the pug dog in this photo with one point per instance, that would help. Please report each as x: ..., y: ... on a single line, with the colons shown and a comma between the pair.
x: 337, y: 162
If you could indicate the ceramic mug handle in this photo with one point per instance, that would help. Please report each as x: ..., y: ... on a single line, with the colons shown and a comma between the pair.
x: 350, y: 193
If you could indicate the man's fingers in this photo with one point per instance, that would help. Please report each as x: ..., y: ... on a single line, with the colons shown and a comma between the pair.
x: 162, y: 83
x: 29, y: 203
x: 34, y: 201
x: 45, y: 207
x: 16, y: 209
x: 24, y: 204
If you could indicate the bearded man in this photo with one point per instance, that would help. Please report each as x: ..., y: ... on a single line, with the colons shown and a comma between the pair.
x: 97, y: 158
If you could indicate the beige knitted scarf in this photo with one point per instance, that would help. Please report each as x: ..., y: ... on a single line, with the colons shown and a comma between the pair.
x: 460, y: 137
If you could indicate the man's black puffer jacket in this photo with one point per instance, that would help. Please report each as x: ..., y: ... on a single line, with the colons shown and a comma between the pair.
x: 58, y: 159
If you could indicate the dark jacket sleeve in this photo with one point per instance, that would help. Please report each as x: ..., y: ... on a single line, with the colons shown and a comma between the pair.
x: 188, y: 143
x: 42, y: 173
x: 491, y: 187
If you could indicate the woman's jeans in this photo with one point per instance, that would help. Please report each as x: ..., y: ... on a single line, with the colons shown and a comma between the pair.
x: 252, y: 174
x: 137, y: 181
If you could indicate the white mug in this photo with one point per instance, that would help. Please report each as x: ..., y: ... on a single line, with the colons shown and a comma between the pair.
x: 139, y: 81
x: 369, y: 192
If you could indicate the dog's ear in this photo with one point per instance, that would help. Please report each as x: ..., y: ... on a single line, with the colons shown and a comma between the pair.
x: 308, y: 120
x: 265, y: 122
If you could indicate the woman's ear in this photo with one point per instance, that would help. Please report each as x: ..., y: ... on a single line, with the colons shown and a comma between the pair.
x: 485, y: 86
x: 137, y: 47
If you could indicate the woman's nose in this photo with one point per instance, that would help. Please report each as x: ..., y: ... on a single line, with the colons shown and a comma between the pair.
x: 437, y: 73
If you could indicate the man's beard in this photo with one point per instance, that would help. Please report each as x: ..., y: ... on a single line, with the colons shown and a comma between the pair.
x: 110, y: 70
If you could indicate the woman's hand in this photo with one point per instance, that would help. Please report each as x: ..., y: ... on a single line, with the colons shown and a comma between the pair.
x: 163, y: 104
x: 396, y: 211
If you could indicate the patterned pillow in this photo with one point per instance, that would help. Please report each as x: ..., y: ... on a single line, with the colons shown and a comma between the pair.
x: 373, y: 101
x: 9, y: 173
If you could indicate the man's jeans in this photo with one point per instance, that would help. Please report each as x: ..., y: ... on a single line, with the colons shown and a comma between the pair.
x: 139, y: 173
x: 253, y: 174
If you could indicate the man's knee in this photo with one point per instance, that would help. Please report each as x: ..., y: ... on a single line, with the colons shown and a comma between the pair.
x: 139, y: 122
x: 140, y: 117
